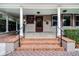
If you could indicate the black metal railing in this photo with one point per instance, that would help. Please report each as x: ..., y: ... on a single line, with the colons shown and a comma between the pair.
x: 19, y: 37
x: 60, y: 37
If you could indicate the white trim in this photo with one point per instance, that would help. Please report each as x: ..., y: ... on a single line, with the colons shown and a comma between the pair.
x: 73, y: 20
x: 39, y: 5
x: 66, y: 15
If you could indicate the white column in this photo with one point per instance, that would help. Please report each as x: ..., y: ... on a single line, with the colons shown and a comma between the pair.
x: 58, y: 22
x: 7, y: 23
x: 73, y: 21
x: 21, y: 21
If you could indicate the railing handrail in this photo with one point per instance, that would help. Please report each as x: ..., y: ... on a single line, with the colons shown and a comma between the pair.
x: 19, y: 35
x: 60, y: 35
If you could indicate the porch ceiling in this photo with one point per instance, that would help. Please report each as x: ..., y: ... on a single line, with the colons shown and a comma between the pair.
x: 15, y: 11
x: 44, y: 9
x: 11, y: 11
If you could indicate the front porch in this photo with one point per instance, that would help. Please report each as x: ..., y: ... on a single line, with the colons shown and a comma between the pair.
x: 38, y: 27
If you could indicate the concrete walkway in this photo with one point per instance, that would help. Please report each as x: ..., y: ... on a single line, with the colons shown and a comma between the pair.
x: 43, y: 53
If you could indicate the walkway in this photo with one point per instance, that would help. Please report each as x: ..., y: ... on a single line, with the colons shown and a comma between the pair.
x: 43, y: 53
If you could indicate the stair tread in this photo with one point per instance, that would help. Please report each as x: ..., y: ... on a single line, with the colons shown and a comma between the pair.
x: 40, y: 46
x: 39, y: 41
x: 39, y: 38
x: 51, y: 49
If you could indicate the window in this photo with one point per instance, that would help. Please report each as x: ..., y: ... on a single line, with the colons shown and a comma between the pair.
x: 54, y: 20
x: 30, y: 19
x: 66, y: 20
x: 12, y: 26
x: 77, y: 20
x: 2, y: 25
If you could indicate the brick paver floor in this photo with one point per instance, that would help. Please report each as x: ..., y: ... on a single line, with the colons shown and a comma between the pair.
x: 43, y: 53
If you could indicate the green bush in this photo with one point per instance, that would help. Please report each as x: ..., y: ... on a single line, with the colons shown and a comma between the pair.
x: 73, y: 34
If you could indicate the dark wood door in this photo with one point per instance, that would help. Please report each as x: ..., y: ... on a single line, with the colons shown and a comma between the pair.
x: 39, y: 23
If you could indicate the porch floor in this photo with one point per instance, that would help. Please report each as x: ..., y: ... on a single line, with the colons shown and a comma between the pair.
x: 6, y: 38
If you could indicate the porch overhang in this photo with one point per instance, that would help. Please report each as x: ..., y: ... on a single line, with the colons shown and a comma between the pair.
x: 20, y: 9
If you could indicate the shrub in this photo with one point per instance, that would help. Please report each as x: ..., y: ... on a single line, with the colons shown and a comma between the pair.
x: 73, y: 34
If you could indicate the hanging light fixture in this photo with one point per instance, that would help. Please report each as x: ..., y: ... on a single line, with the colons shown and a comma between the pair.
x: 64, y: 10
x: 38, y: 12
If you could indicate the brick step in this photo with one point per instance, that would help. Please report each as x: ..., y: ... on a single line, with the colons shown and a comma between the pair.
x: 39, y: 42
x: 40, y: 48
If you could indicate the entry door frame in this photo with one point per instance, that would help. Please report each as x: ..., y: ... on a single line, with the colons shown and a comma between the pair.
x: 39, y: 29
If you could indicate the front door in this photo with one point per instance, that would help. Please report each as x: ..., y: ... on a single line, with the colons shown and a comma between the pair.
x: 39, y: 23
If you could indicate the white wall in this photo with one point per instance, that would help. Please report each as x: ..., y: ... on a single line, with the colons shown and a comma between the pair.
x: 2, y: 49
x: 8, y: 47
x: 46, y: 27
x: 30, y: 27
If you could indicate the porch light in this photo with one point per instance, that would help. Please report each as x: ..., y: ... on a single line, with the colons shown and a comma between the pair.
x: 64, y: 10
x: 38, y: 12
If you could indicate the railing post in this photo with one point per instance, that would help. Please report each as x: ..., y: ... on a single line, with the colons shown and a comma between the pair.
x: 56, y: 31
x: 61, y: 38
x: 19, y: 39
